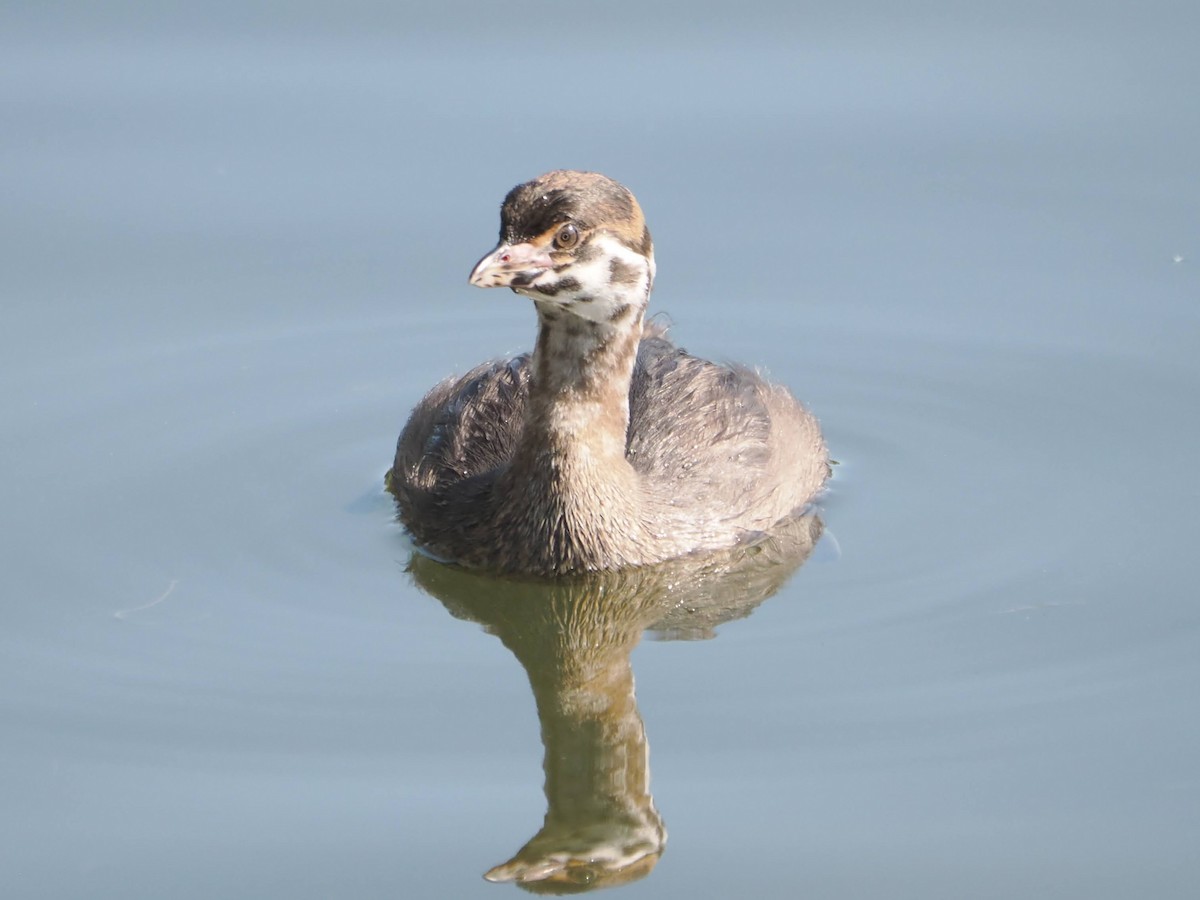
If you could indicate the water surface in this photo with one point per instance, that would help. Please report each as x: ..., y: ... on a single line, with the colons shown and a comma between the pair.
x: 235, y: 245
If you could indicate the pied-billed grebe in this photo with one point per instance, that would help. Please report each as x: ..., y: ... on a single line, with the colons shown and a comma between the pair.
x: 608, y: 446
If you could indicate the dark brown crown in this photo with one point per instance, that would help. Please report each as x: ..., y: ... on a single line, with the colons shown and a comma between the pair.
x: 588, y: 199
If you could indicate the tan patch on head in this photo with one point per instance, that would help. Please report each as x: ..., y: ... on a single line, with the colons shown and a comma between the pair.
x: 631, y: 230
x: 646, y: 247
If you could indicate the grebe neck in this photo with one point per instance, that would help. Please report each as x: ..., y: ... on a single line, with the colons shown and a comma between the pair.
x: 579, y: 390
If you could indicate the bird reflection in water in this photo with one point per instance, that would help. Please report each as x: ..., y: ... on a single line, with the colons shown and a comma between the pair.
x: 574, y: 637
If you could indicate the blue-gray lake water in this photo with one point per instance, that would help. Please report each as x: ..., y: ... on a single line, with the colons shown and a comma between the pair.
x: 234, y: 241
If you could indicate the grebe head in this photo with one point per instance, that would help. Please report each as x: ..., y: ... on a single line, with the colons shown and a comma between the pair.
x: 574, y: 241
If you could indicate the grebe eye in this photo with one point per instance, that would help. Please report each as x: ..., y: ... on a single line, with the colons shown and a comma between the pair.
x: 567, y: 237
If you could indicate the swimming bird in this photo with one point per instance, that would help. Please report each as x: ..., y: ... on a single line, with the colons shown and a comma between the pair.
x: 608, y: 446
